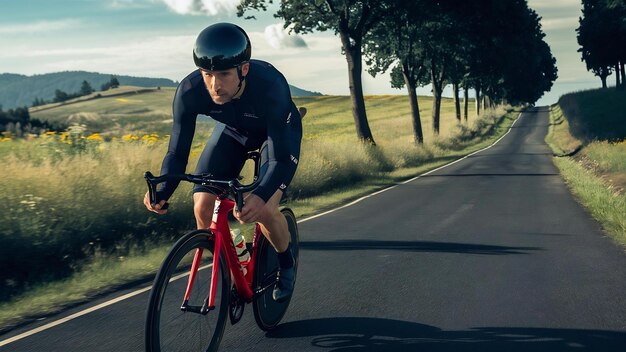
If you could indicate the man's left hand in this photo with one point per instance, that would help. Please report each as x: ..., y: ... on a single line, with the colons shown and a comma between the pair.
x: 253, y: 206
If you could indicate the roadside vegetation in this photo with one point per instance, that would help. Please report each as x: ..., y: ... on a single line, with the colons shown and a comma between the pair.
x: 588, y: 134
x: 73, y: 200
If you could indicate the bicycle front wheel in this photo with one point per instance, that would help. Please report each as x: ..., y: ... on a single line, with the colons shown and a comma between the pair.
x: 168, y: 328
x: 268, y: 312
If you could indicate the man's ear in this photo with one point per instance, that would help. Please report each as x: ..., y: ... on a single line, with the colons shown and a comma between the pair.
x: 245, y: 68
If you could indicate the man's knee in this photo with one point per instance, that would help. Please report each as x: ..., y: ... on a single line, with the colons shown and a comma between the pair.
x: 270, y: 212
x: 203, y: 204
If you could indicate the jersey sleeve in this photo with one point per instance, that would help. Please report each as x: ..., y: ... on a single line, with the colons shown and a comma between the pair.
x: 278, y: 140
x: 183, y: 129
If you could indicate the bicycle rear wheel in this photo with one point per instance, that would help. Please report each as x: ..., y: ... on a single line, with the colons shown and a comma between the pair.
x: 268, y: 312
x: 168, y: 328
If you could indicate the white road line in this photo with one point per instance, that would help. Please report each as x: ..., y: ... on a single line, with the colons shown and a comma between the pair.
x: 129, y: 295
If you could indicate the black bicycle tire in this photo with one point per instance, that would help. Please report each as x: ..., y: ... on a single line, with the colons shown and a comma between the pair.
x: 260, y: 304
x: 188, y: 242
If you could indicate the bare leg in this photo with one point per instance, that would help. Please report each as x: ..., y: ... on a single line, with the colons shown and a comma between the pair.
x: 203, y: 204
x: 274, y: 224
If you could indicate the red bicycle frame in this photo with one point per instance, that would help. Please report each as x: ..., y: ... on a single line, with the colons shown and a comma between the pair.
x: 224, y: 245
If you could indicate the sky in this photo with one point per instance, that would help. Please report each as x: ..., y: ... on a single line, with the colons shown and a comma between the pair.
x: 154, y: 38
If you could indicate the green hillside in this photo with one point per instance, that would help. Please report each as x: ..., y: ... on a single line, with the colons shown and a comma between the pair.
x: 19, y: 90
x: 115, y: 112
x: 137, y: 110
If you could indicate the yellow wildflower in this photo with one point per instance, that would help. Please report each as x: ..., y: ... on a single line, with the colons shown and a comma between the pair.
x: 150, y: 138
x: 95, y: 137
x: 130, y: 137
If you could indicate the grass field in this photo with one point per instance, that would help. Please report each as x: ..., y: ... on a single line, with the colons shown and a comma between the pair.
x: 75, y: 200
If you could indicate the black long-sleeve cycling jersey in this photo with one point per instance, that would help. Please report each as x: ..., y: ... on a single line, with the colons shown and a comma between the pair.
x: 264, y: 112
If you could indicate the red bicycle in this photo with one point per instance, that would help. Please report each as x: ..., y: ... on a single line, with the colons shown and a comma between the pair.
x: 201, y: 280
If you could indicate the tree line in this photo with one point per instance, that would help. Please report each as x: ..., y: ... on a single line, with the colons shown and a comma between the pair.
x: 494, y: 47
x: 85, y: 89
x: 17, y: 122
x: 601, y: 35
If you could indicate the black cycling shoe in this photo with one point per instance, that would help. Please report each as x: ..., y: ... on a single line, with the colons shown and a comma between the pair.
x: 284, y: 285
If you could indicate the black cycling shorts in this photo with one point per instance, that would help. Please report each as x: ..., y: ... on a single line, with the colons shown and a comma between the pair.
x: 225, y: 154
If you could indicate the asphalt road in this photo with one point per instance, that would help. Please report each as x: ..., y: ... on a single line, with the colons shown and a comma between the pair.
x: 491, y: 253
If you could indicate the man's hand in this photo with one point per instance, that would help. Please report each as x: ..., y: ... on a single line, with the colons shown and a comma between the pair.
x: 253, y: 206
x: 157, y: 208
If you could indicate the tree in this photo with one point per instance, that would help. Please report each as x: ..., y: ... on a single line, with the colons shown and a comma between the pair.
x: 508, y: 58
x: 596, y: 32
x: 396, y: 40
x: 60, y: 96
x: 114, y: 83
x: 39, y: 101
x: 352, y: 20
x: 85, y: 88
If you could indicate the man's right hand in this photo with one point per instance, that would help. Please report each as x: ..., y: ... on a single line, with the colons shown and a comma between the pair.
x: 157, y: 208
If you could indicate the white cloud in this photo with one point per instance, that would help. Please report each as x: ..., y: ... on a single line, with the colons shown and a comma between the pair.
x: 38, y: 27
x: 164, y: 56
x: 203, y: 7
x: 279, y: 37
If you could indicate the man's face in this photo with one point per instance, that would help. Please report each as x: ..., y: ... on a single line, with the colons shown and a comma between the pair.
x: 224, y: 84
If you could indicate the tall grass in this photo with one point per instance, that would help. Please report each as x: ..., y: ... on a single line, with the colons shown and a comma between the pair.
x: 59, y: 210
x: 609, y: 157
x: 602, y: 200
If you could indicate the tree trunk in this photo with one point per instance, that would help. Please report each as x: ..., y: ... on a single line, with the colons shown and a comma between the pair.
x: 603, y: 78
x: 617, y: 75
x: 621, y: 65
x: 437, y: 83
x: 485, y: 102
x: 477, y: 100
x: 457, y: 105
x: 411, y: 86
x: 465, y: 102
x: 353, y: 57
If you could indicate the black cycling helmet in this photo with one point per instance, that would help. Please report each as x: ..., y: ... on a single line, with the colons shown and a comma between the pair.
x: 221, y: 46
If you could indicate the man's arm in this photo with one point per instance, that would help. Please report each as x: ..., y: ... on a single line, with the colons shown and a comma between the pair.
x: 183, y: 129
x: 279, y: 137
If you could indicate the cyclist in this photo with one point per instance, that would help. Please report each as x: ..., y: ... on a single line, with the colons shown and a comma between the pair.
x: 251, y: 103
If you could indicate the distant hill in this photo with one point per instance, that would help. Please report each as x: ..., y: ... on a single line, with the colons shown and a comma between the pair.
x: 20, y: 90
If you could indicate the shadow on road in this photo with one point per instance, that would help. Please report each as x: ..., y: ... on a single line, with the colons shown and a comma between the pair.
x: 374, y: 334
x: 414, y: 246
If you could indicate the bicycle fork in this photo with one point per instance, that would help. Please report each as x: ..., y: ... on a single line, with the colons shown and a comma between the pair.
x: 209, y: 303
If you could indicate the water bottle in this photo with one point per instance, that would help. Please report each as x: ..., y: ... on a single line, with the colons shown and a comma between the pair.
x: 242, y: 250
